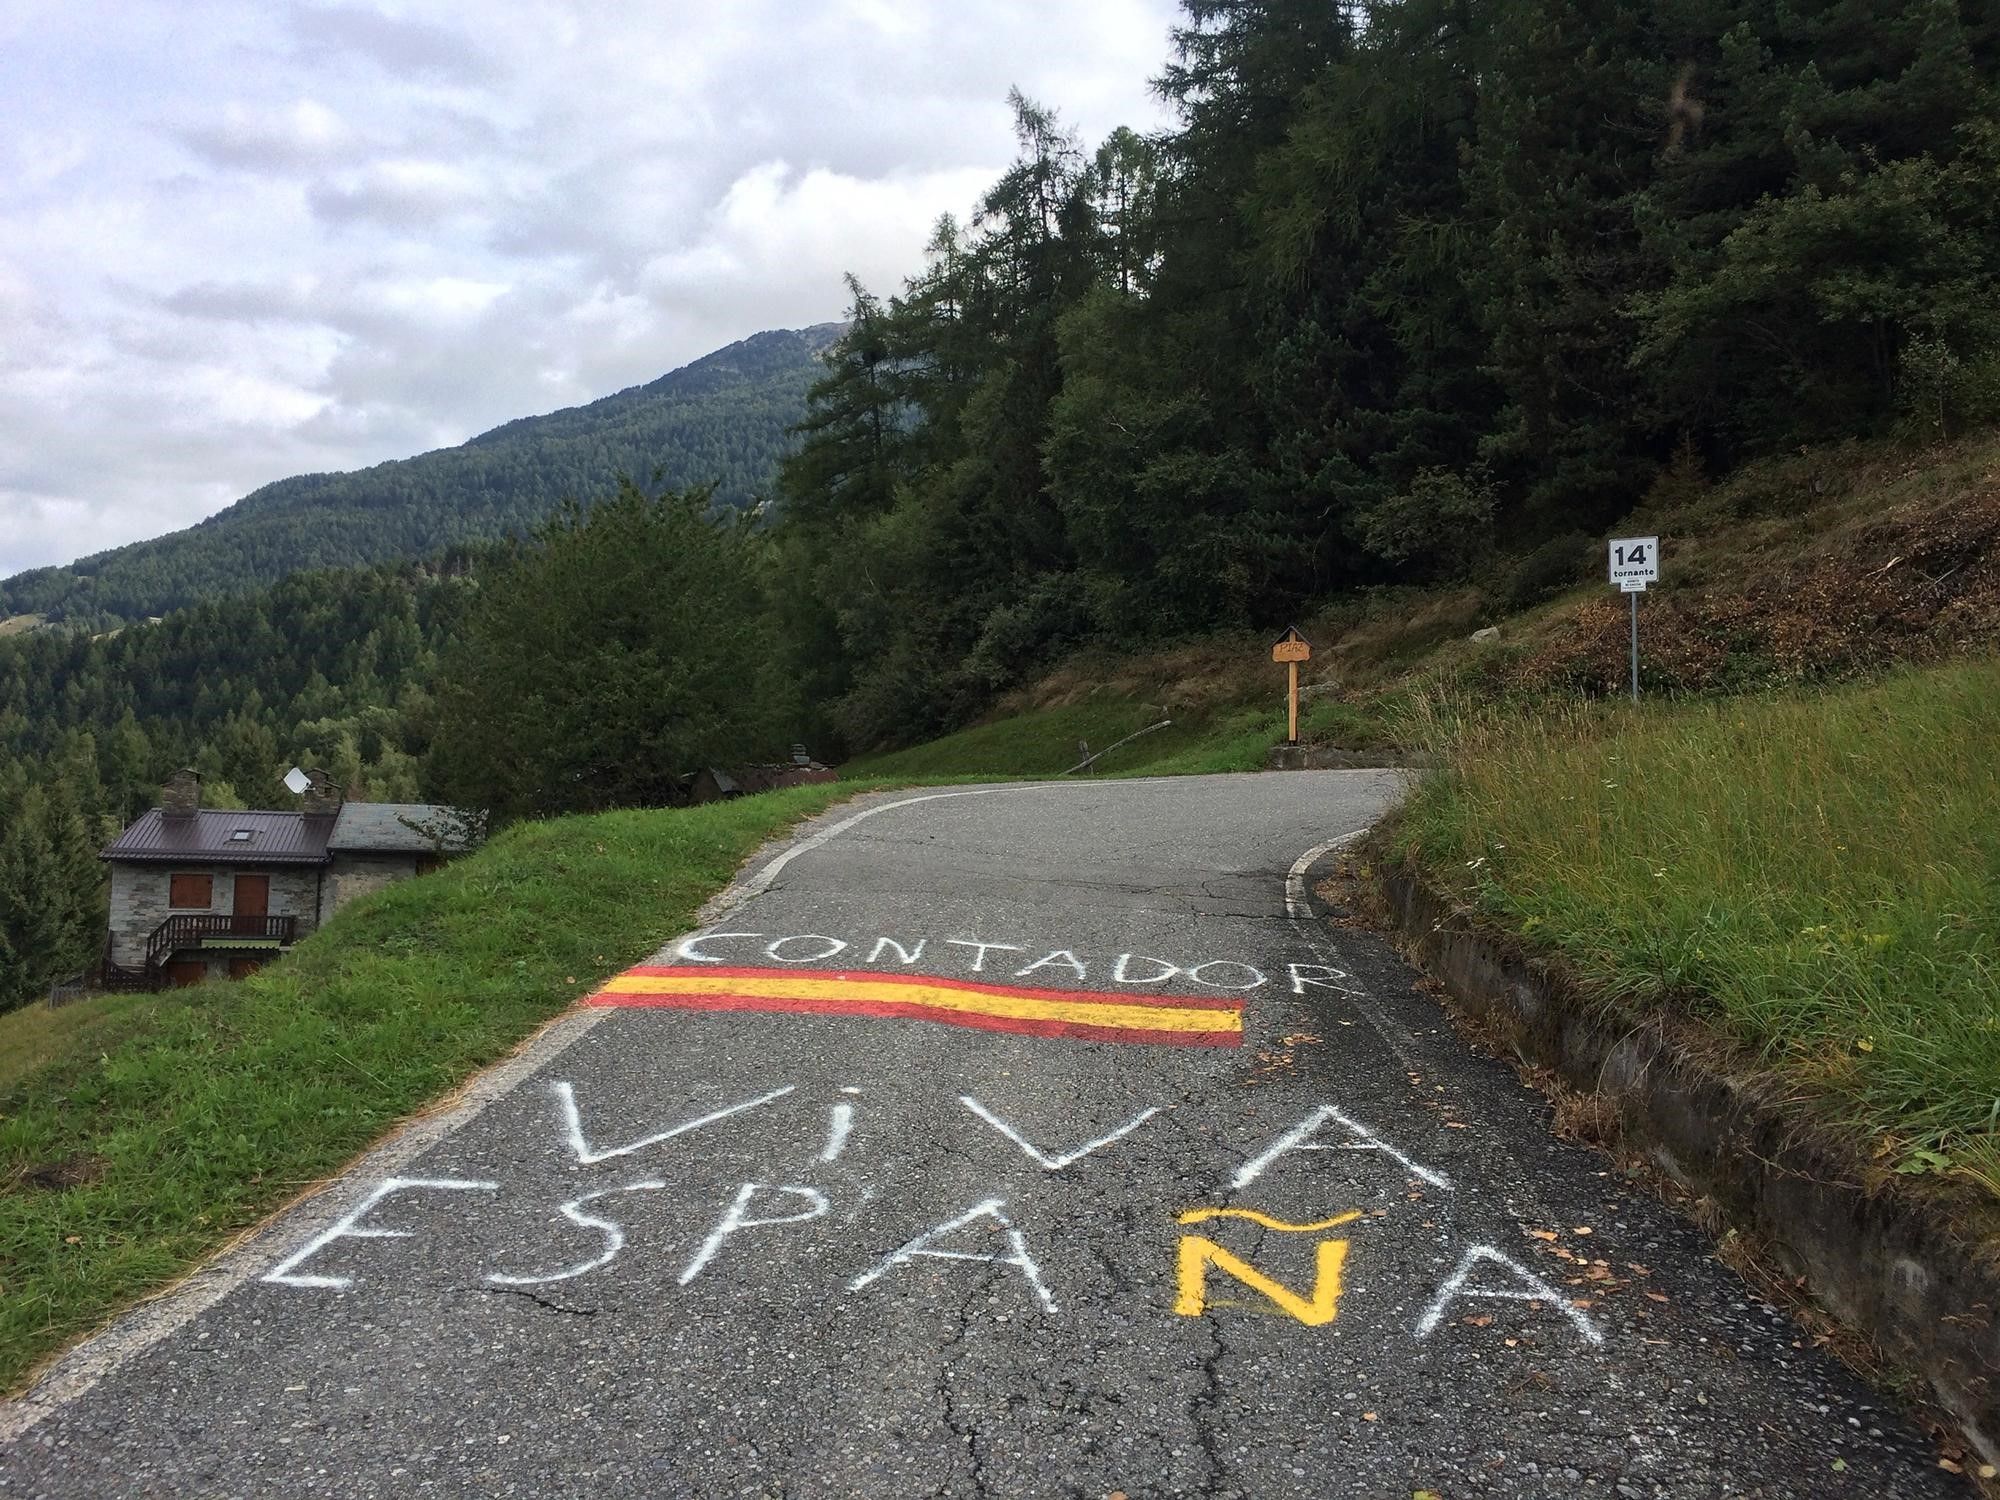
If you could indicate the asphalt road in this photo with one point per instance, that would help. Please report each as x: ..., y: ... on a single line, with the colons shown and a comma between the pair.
x: 929, y: 1209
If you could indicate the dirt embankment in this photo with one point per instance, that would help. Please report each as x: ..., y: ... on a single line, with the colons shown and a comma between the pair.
x: 1918, y: 583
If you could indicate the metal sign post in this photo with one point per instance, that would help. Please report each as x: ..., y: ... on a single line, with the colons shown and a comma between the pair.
x: 1291, y: 649
x: 1635, y: 562
x: 1635, y: 643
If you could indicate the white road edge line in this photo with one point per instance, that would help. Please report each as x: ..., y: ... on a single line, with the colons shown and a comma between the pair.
x: 1296, y: 905
x: 75, y: 1372
x: 1398, y: 1039
x: 757, y: 884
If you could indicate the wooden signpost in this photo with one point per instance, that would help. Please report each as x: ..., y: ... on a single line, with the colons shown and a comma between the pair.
x: 1291, y: 649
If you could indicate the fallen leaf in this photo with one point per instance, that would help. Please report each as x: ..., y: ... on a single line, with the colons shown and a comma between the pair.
x: 1580, y: 1302
x: 1840, y: 1466
x: 1455, y: 1125
x: 1543, y: 1234
x: 1949, y: 1467
x: 1581, y: 1229
x: 1425, y: 1495
x: 72, y: 1239
x: 1987, y: 1471
x: 1481, y: 1321
x: 1513, y: 1343
x: 1368, y: 1416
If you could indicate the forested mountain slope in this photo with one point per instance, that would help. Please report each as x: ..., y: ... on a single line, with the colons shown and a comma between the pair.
x: 723, y: 420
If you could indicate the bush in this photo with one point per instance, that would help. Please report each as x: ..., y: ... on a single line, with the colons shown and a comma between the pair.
x: 1558, y: 564
x: 1052, y: 614
x: 1440, y: 526
x: 1941, y: 392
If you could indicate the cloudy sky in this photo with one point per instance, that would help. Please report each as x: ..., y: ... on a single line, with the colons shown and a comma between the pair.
x: 241, y: 239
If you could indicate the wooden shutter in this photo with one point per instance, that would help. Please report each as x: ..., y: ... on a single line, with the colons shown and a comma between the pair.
x: 191, y: 891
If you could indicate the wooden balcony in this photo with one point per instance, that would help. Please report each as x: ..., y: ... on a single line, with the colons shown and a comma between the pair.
x: 216, y: 930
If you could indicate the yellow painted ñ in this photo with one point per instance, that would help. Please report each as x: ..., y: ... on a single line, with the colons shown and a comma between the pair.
x: 1198, y: 1215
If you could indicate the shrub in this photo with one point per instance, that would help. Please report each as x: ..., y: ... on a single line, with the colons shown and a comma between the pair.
x: 1559, y: 563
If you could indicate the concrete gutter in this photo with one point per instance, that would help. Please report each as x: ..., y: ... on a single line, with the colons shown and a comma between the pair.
x: 1331, y: 758
x: 1880, y: 1255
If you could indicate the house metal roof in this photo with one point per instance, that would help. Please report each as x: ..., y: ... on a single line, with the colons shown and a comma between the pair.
x: 208, y: 837
x: 385, y: 828
x: 287, y: 838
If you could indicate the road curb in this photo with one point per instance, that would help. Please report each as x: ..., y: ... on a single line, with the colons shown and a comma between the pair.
x: 1332, y: 758
x: 1878, y: 1255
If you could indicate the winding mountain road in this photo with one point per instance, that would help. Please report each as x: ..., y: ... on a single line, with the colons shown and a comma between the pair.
x: 1037, y: 1140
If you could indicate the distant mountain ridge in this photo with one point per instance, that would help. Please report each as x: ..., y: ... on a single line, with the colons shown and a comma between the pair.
x: 723, y: 420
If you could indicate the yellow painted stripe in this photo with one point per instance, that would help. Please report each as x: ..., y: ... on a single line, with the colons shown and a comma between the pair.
x: 941, y: 997
x: 1197, y: 1215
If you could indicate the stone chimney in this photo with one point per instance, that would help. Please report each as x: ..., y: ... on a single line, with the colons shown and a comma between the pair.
x: 323, y: 797
x: 180, y: 794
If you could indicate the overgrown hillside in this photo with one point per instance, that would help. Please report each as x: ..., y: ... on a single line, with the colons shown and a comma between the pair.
x: 1808, y: 570
x: 724, y: 420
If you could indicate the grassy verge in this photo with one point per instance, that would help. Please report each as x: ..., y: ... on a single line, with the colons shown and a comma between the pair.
x: 1817, y: 876
x: 137, y: 1133
x: 1042, y: 742
x: 1048, y: 741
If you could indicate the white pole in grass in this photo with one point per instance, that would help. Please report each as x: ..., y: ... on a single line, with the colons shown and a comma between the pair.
x: 1635, y: 562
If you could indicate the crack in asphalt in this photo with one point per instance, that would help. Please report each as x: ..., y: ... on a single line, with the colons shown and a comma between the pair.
x: 967, y: 1433
x: 515, y: 1291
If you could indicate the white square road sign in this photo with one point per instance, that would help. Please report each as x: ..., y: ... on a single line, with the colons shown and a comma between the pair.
x: 1635, y: 562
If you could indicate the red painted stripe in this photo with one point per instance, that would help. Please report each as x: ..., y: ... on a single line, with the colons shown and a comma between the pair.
x: 878, y: 976
x: 979, y: 1020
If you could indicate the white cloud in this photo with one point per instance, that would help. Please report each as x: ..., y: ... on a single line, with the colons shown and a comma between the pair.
x: 304, y: 133
x: 245, y: 239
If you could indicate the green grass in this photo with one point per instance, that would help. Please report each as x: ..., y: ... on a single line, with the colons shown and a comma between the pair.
x: 1819, y: 877
x: 1045, y: 742
x: 179, y: 1119
x: 35, y: 1037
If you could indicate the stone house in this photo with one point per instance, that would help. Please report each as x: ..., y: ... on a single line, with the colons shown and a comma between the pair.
x: 207, y: 893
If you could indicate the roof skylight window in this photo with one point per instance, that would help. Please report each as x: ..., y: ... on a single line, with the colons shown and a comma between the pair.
x: 242, y: 835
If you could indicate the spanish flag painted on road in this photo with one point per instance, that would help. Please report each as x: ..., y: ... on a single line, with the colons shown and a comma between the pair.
x: 1170, y: 1020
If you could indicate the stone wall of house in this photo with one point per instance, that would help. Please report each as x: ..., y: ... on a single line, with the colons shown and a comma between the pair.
x: 139, y: 900
x: 355, y: 875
